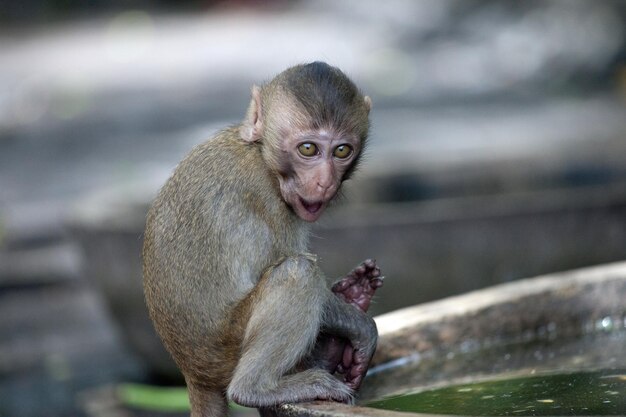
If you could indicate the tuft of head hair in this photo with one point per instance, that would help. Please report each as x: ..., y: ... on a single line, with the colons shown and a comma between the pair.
x: 329, y: 97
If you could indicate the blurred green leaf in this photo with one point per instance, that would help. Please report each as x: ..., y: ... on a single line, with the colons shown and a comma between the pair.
x: 149, y: 397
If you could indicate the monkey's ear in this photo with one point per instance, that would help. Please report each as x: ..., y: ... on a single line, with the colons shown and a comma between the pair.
x: 252, y: 127
x: 368, y: 103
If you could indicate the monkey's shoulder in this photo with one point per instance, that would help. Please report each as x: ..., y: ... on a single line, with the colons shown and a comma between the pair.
x: 226, y: 149
x: 227, y: 177
x: 225, y: 163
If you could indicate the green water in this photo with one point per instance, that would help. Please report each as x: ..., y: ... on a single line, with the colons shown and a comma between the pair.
x: 586, y: 393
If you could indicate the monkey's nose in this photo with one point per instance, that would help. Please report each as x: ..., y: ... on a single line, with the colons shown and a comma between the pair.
x: 324, y: 187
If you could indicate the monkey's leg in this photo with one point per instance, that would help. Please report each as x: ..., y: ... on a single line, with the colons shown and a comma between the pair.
x: 286, y: 314
x: 206, y: 402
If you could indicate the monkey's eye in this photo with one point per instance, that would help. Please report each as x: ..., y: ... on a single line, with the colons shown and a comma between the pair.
x: 307, y: 149
x: 343, y: 151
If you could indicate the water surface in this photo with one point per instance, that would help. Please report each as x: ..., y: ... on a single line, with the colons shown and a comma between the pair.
x: 582, y: 393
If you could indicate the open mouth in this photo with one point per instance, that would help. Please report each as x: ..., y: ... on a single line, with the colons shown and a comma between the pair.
x: 313, y: 207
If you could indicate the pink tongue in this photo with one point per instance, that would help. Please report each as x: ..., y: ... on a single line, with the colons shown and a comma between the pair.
x: 312, y: 208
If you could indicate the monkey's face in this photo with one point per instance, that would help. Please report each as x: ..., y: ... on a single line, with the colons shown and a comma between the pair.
x: 311, y: 122
x: 314, y: 168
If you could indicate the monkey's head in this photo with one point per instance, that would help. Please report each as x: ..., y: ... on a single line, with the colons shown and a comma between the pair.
x: 312, y: 123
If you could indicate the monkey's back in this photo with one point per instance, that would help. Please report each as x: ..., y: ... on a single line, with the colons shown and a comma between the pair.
x: 215, y: 226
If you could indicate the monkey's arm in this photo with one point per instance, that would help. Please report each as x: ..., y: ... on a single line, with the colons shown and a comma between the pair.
x: 357, y: 288
x: 347, y: 321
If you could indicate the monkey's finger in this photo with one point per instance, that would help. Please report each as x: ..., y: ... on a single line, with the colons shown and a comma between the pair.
x: 354, y: 383
x: 356, y: 376
x: 346, y: 360
x: 370, y: 263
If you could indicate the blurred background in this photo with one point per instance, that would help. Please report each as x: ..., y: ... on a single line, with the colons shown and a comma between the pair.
x: 497, y: 152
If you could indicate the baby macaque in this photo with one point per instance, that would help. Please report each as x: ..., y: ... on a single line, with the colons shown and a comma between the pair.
x: 235, y: 295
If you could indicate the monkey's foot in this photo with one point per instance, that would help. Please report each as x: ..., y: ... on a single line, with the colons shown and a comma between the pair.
x: 358, y: 287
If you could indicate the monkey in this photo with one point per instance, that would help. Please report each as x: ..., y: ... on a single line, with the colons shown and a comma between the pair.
x: 233, y: 292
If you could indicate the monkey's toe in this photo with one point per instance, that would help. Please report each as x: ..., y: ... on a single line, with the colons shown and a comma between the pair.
x: 358, y: 287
